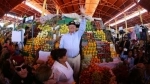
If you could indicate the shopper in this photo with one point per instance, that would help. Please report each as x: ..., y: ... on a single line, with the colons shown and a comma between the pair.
x: 124, y: 47
x: 140, y: 57
x: 10, y: 46
x: 71, y: 42
x: 23, y: 73
x: 63, y: 73
x: 6, y: 66
x: 44, y: 75
x: 130, y: 60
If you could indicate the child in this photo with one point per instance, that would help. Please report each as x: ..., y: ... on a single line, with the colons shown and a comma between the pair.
x: 17, y: 51
x: 130, y: 60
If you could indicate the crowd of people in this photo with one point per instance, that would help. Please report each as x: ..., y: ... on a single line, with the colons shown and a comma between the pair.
x: 135, y: 58
x: 14, y: 69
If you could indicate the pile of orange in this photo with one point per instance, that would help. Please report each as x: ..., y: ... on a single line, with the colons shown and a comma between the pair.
x: 95, y: 60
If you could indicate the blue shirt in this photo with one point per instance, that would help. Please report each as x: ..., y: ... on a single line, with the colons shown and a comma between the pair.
x: 71, y: 41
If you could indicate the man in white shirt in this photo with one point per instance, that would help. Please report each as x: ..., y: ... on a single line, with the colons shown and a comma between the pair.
x: 71, y: 42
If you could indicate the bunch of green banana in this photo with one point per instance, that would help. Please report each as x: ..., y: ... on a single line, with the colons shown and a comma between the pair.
x: 45, y: 28
x: 42, y: 34
x: 64, y: 29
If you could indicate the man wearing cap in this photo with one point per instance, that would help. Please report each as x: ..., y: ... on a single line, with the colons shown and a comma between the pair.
x: 71, y: 42
x: 23, y: 72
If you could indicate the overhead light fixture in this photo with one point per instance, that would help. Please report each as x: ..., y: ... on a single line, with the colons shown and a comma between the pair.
x: 12, y: 16
x: 138, y: 1
x: 128, y: 8
x: 34, y: 5
x: 129, y: 16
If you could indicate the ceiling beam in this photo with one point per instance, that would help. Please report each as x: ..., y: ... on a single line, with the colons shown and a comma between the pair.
x: 120, y: 6
x: 101, y: 11
x: 110, y: 7
x: 90, y: 8
x: 108, y: 4
x: 34, y: 5
x: 68, y: 3
x: 57, y: 4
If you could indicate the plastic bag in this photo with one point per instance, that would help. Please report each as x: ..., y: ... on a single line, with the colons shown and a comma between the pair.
x: 43, y: 19
x: 71, y: 15
x: 78, y: 17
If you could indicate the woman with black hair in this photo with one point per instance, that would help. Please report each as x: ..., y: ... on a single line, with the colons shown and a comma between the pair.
x: 63, y: 72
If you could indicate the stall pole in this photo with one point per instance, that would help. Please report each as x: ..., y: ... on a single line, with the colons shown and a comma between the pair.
x: 125, y: 23
x: 43, y: 9
x: 140, y: 15
x: 57, y: 10
x: 32, y: 35
x: 109, y: 26
x: 116, y: 26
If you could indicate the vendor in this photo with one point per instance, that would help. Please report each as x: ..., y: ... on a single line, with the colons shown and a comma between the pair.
x: 27, y: 34
x: 63, y: 73
x: 71, y: 42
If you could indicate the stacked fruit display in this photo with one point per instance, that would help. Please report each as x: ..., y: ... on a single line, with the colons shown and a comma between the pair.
x: 29, y: 59
x: 39, y: 41
x: 89, y: 26
x: 64, y: 29
x: 95, y: 60
x: 113, y: 51
x: 46, y: 47
x: 90, y: 48
x: 90, y: 53
x: 99, y: 35
x: 104, y: 53
x: 95, y: 74
x: 45, y: 31
x: 45, y: 27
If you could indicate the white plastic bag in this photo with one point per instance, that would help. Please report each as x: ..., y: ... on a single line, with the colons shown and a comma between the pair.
x: 71, y: 15
x: 43, y: 19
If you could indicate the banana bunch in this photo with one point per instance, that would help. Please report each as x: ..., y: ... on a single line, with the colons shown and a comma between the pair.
x: 42, y: 34
x: 99, y: 34
x: 88, y: 26
x: 45, y: 28
x: 64, y: 29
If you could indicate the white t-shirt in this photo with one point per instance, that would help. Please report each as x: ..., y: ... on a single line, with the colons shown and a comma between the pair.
x: 62, y: 74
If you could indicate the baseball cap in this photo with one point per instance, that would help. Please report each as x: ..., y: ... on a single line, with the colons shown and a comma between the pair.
x: 71, y: 23
x: 17, y: 60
